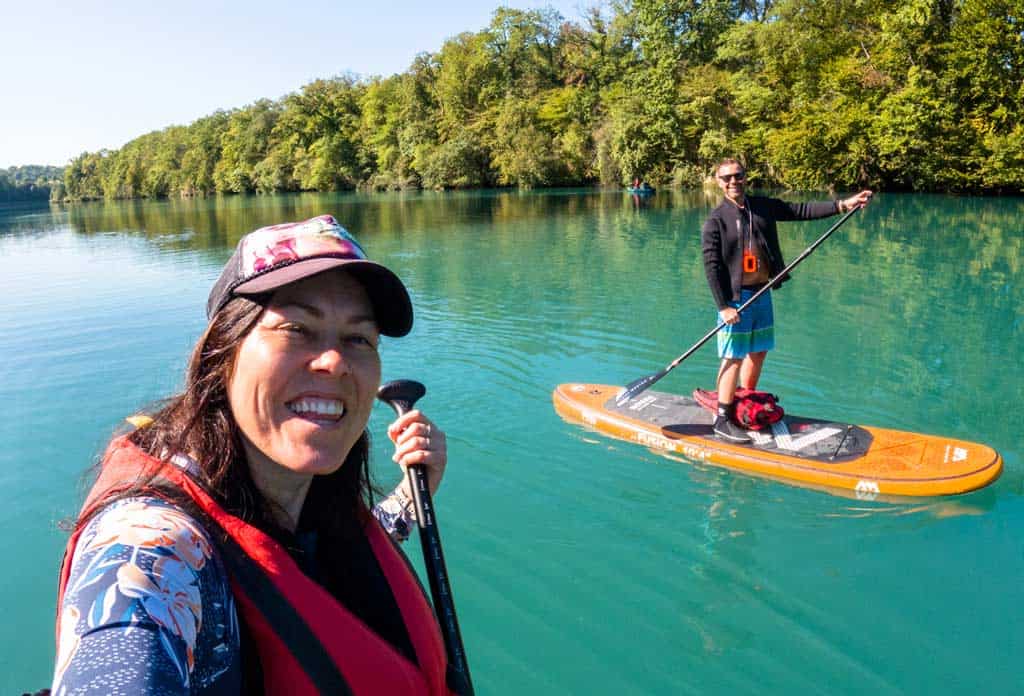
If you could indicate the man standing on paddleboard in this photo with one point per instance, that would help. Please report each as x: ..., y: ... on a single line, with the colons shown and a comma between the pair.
x: 740, y: 246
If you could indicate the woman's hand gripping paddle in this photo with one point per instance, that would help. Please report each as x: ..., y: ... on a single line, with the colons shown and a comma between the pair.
x: 401, y: 395
x: 637, y: 386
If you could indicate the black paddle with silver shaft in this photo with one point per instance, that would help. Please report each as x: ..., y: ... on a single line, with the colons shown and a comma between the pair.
x: 634, y: 388
x: 400, y: 395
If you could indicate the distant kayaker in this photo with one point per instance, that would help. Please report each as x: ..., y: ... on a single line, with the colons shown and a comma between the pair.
x: 740, y: 246
x: 229, y: 546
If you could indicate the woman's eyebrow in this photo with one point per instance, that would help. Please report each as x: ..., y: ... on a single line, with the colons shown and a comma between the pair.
x: 363, y: 319
x: 304, y: 306
x: 318, y: 313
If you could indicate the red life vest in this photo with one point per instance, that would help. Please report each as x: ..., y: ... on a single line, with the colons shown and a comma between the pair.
x: 307, y: 641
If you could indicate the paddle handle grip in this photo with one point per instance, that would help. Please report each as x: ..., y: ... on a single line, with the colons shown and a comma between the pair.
x: 401, y: 395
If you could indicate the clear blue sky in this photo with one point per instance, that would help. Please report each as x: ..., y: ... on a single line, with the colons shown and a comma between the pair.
x: 77, y: 76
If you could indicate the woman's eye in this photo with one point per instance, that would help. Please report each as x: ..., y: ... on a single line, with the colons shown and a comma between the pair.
x: 362, y: 341
x: 295, y: 329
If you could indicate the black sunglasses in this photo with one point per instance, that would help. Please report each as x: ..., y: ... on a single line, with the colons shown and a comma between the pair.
x: 738, y: 176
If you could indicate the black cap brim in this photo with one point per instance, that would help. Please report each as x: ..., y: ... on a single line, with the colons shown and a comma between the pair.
x: 392, y: 307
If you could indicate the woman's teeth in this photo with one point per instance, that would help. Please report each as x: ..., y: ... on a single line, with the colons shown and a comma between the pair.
x: 317, y: 408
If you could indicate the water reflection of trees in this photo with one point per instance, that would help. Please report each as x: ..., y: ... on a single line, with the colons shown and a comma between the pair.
x: 982, y: 236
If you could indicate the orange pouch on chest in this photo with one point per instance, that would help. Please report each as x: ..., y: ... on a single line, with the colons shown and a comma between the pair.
x: 749, y: 262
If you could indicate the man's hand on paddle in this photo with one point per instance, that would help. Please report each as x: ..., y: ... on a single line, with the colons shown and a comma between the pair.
x: 858, y: 201
x: 729, y: 315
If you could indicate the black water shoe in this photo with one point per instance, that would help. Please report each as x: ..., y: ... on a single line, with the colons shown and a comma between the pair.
x: 729, y: 431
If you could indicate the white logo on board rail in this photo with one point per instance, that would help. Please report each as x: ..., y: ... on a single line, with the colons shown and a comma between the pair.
x: 959, y: 454
x: 866, y: 490
x: 651, y: 440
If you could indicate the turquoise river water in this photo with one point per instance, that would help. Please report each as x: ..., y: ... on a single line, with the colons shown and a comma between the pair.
x: 581, y: 564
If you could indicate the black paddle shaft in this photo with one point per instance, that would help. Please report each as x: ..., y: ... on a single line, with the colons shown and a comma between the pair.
x: 634, y: 388
x: 400, y: 395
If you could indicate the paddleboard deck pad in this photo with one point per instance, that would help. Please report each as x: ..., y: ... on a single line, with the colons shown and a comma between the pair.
x: 866, y: 460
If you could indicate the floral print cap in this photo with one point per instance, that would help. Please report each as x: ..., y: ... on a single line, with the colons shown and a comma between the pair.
x: 274, y: 256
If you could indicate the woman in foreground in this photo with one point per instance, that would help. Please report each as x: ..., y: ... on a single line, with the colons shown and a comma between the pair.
x: 230, y: 544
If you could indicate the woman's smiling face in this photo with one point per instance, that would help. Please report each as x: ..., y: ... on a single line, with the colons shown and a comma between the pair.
x: 305, y: 377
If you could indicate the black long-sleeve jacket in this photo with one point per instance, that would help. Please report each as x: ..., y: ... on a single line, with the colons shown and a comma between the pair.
x: 725, y: 233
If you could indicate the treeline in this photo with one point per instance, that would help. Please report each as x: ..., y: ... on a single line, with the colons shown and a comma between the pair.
x: 920, y: 95
x: 28, y: 183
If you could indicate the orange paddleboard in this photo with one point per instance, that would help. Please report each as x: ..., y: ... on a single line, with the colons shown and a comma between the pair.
x: 868, y: 461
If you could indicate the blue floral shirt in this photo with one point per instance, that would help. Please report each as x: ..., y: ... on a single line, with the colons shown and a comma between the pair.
x: 148, y: 607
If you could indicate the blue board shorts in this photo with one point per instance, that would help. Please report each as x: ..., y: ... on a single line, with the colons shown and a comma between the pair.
x: 755, y: 331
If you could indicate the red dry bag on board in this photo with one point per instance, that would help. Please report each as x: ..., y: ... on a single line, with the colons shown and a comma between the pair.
x: 757, y: 409
x: 754, y: 409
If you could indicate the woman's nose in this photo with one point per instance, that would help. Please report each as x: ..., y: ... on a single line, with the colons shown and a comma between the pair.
x: 330, y: 360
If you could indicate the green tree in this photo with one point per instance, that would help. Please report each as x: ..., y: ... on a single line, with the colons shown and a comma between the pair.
x: 524, y: 152
x: 986, y: 69
x: 245, y: 142
x: 202, y: 151
x: 523, y: 46
x: 320, y: 127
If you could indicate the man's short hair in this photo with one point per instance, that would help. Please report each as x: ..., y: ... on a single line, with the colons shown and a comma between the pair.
x: 729, y: 160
